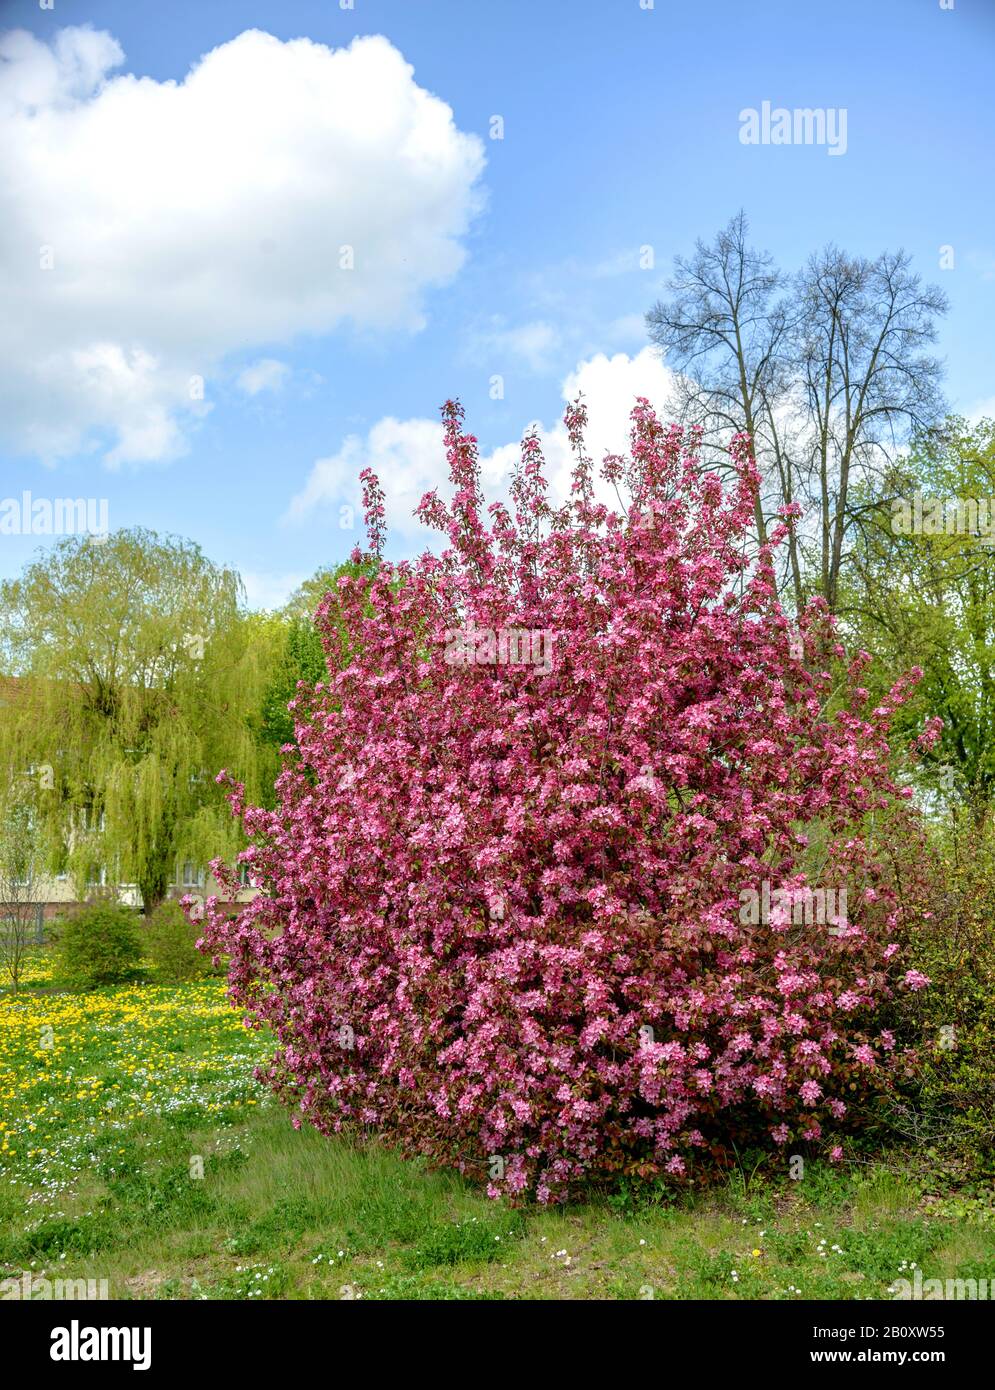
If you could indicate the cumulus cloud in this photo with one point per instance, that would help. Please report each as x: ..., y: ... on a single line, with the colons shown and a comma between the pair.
x: 147, y: 228
x: 610, y: 386
x: 408, y: 455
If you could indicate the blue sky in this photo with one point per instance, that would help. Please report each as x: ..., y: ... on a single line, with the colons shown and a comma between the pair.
x: 516, y: 256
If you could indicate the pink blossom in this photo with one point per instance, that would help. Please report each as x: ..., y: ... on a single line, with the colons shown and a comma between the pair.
x: 810, y: 1091
x: 518, y: 882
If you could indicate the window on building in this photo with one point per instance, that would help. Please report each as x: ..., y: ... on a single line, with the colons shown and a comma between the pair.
x: 193, y: 875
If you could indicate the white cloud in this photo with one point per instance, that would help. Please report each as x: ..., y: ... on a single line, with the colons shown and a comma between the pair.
x: 610, y: 386
x: 267, y: 374
x: 533, y: 344
x: 409, y: 458
x: 188, y: 220
x: 270, y: 591
x: 983, y: 410
x: 405, y: 455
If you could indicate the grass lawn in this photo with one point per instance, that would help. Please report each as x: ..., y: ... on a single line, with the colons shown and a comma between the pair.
x: 111, y: 1103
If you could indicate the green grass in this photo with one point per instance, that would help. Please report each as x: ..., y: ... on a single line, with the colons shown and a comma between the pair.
x: 106, y: 1127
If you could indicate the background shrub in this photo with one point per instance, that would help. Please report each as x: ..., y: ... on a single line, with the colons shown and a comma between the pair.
x: 54, y: 927
x: 170, y: 943
x: 100, y: 945
x: 947, y: 1103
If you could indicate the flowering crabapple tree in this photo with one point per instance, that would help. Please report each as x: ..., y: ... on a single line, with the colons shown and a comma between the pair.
x: 501, y: 914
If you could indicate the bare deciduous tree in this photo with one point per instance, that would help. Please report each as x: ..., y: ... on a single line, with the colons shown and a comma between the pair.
x: 723, y: 331
x: 866, y: 383
x: 20, y: 863
x: 825, y: 370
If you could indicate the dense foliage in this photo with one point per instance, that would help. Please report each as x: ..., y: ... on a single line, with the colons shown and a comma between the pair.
x: 170, y: 943
x: 946, y: 1105
x: 99, y: 945
x: 502, y: 912
x: 134, y: 677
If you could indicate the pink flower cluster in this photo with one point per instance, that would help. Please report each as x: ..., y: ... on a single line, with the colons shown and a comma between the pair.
x: 500, y: 910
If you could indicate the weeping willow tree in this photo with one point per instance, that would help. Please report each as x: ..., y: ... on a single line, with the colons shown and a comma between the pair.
x: 133, y: 675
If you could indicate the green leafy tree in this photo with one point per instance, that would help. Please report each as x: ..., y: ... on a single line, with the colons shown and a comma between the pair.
x: 920, y: 589
x: 138, y: 676
x: 301, y: 658
x: 304, y: 655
